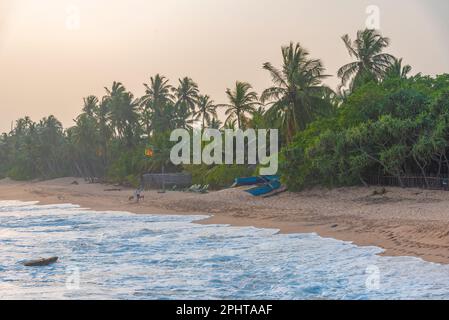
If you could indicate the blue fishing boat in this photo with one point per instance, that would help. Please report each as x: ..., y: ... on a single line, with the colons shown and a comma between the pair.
x: 249, y: 181
x: 265, y: 188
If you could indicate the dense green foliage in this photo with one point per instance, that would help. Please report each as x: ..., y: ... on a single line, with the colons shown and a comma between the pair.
x: 220, y: 176
x: 397, y: 127
x: 34, y: 149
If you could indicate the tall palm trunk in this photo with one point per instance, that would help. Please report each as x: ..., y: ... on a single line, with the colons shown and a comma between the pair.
x: 202, y: 127
x: 238, y: 120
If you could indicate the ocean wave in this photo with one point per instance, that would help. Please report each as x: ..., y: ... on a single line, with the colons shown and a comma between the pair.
x: 124, y: 256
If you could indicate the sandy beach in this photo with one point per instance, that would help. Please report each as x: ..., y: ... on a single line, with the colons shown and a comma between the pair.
x: 404, y: 222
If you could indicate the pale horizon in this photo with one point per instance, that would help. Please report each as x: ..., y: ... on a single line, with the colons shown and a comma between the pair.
x: 47, y: 66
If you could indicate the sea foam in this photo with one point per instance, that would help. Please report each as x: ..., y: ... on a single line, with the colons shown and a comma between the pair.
x: 118, y: 255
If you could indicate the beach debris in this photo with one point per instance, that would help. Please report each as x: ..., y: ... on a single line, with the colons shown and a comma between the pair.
x: 275, y: 192
x: 109, y: 190
x: 379, y: 192
x: 334, y: 226
x: 75, y: 182
x: 40, y: 262
x: 93, y: 180
x: 198, y: 188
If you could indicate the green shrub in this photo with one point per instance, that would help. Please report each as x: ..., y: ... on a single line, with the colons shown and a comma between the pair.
x: 20, y: 174
x: 395, y: 128
x: 128, y: 167
x: 219, y: 176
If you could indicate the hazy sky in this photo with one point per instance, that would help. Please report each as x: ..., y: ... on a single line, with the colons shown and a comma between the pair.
x: 48, y: 62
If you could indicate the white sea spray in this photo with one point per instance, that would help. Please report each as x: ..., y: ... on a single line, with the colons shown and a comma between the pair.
x: 124, y: 256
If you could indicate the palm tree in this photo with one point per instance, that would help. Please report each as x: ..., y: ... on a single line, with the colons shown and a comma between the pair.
x: 158, y: 94
x: 298, y: 94
x: 104, y: 130
x: 397, y: 70
x: 84, y: 137
x: 146, y: 118
x: 172, y: 117
x: 158, y: 91
x: 23, y: 125
x: 259, y: 120
x: 186, y: 94
x: 241, y: 101
x: 230, y: 124
x: 206, y: 110
x: 122, y: 111
x: 371, y: 63
x: 215, y: 123
x: 90, y: 105
x: 49, y: 138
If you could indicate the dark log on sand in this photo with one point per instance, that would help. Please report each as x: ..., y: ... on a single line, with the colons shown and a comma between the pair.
x: 40, y: 262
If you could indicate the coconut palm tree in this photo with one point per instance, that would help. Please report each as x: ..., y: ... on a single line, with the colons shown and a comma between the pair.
x: 90, y: 105
x: 371, y: 63
x: 298, y: 94
x: 206, y: 110
x: 186, y: 95
x: 241, y: 101
x: 397, y: 70
x: 104, y: 129
x: 158, y: 94
x: 84, y: 138
x: 23, y: 126
x: 50, y: 136
x: 259, y: 120
x: 215, y: 123
x: 123, y: 114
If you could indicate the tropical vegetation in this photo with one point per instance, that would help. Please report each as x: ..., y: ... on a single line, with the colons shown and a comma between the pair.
x: 381, y: 121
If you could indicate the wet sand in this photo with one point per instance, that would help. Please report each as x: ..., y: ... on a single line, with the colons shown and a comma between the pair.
x: 404, y: 222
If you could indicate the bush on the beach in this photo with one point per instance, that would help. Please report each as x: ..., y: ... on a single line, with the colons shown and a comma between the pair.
x: 127, y: 166
x: 398, y: 127
x: 17, y: 173
x: 218, y: 177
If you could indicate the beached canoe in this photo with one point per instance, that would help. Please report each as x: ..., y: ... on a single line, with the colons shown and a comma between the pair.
x: 264, y: 189
x: 275, y: 192
x: 40, y: 262
x: 249, y: 181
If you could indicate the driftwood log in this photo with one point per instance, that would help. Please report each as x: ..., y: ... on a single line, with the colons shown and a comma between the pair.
x: 40, y: 262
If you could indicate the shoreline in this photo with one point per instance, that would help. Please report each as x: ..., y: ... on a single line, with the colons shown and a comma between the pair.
x: 403, y: 222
